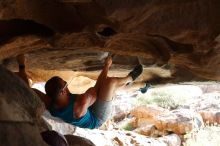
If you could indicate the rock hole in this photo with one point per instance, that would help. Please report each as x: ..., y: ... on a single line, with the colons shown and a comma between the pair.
x: 107, y: 31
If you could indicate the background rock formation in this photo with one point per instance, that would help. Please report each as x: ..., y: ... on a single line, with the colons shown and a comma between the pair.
x: 181, y: 37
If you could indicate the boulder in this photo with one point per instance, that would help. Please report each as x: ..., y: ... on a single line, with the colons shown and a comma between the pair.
x: 123, y: 138
x: 171, y: 140
x: 58, y: 124
x: 147, y: 111
x: 178, y: 121
x: 146, y: 114
x: 20, y: 134
x: 20, y: 111
x: 74, y: 140
x: 208, y: 105
x: 210, y: 117
x: 147, y: 130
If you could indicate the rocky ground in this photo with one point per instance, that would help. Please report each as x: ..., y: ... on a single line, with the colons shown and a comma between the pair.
x: 160, y: 117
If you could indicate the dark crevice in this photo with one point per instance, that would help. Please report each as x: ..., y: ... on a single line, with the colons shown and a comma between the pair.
x: 107, y: 31
x: 176, y: 46
x: 16, y: 27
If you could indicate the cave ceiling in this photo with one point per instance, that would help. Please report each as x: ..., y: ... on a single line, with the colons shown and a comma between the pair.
x: 180, y: 37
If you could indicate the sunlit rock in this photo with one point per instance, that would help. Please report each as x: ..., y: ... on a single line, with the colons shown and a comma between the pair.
x: 179, y: 121
x: 57, y: 124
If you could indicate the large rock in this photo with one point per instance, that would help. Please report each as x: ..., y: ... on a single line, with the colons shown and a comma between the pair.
x: 57, y: 124
x: 178, y: 121
x: 25, y: 101
x: 20, y: 134
x: 147, y: 111
x: 123, y: 138
x: 208, y: 105
x: 111, y: 137
x: 146, y: 114
x: 147, y: 130
x: 20, y: 111
x: 74, y: 140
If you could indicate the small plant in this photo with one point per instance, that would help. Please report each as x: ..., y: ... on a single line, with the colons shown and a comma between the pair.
x: 127, y: 126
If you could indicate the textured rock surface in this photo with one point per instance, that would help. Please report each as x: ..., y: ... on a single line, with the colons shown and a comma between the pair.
x: 74, y: 140
x: 20, y: 134
x: 57, y: 124
x: 147, y: 112
x: 148, y: 129
x: 121, y: 138
x: 208, y: 106
x: 124, y: 138
x: 151, y: 32
x: 18, y: 101
x: 178, y: 121
x: 19, y: 112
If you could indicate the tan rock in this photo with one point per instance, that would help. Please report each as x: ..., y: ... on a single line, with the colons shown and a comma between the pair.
x: 147, y: 111
x: 210, y: 117
x: 208, y: 105
x: 145, y: 116
x: 147, y: 130
x: 178, y: 121
x: 141, y: 122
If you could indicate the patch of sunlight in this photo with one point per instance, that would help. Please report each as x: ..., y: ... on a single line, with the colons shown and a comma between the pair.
x: 39, y: 86
x: 207, y: 136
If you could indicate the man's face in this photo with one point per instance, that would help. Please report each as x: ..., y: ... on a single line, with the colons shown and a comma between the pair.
x: 63, y: 97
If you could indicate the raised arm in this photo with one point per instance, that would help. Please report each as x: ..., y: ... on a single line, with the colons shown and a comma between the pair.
x: 23, y: 75
x: 22, y: 70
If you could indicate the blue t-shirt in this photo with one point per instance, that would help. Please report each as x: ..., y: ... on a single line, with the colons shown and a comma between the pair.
x: 89, y: 120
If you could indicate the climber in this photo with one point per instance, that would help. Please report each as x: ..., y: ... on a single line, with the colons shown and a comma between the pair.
x: 92, y: 108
